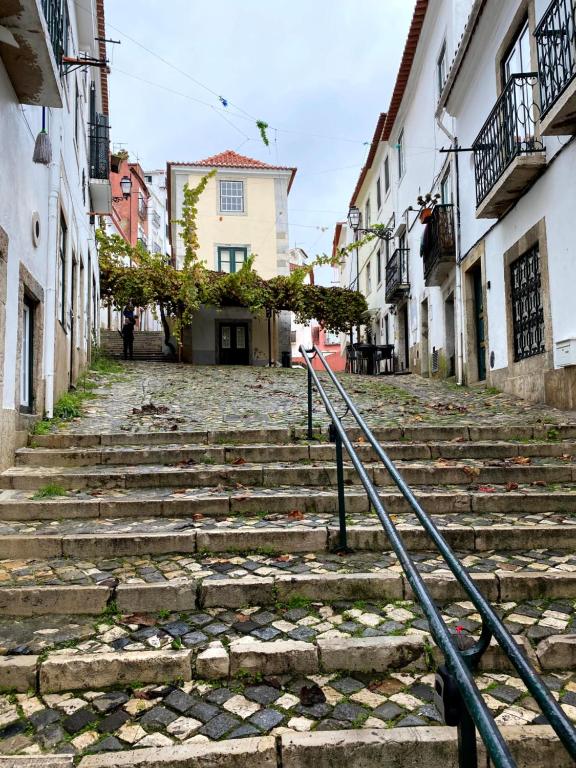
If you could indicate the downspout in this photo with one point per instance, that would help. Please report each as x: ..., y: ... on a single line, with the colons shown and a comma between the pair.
x: 50, y: 305
x: 458, y: 273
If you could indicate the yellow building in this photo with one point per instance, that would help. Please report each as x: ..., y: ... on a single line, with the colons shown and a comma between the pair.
x: 242, y: 211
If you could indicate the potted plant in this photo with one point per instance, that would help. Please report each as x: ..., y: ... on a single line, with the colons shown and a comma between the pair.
x: 426, y: 204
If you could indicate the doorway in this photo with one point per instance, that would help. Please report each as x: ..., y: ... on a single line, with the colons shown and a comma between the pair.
x: 424, y: 364
x: 73, y: 312
x: 27, y: 358
x: 233, y: 344
x: 403, y: 339
x: 450, y: 335
x: 480, y: 324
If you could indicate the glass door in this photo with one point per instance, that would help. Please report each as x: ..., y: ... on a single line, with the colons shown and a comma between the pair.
x: 26, y: 359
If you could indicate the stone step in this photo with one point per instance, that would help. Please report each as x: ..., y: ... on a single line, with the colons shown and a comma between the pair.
x: 221, y: 503
x: 441, y: 472
x: 521, y: 433
x: 74, y: 670
x: 353, y: 637
x: 280, y: 533
x: 170, y: 454
x: 287, y: 722
x: 32, y: 587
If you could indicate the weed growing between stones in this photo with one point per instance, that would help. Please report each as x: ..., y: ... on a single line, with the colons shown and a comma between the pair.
x: 50, y: 491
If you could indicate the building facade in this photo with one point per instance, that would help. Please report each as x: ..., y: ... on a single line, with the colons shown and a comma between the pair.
x: 52, y: 76
x: 242, y: 212
x: 469, y: 170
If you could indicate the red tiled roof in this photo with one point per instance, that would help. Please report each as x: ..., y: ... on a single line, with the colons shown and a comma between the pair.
x: 371, y: 155
x: 405, y: 65
x: 230, y: 159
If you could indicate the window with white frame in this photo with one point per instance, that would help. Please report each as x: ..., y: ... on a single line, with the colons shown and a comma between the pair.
x: 401, y: 158
x: 441, y: 68
x: 367, y: 213
x: 232, y: 196
x: 379, y: 265
x: 368, y: 279
x: 386, y: 174
x: 378, y: 194
x: 446, y: 189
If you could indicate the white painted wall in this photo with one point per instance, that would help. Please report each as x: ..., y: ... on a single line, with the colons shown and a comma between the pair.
x: 25, y: 189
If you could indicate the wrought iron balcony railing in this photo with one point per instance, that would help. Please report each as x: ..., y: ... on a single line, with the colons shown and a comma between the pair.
x: 156, y: 221
x: 143, y: 241
x: 99, y: 147
x: 438, y: 243
x: 56, y: 15
x: 397, y: 284
x: 556, y: 45
x: 142, y: 208
x: 509, y: 132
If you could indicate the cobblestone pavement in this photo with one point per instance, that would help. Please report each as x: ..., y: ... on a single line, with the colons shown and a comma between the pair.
x: 309, y: 621
x: 163, y: 568
x: 247, y: 397
x: 155, y: 716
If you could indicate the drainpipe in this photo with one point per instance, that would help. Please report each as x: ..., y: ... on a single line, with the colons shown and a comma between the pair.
x: 50, y: 293
x: 458, y: 275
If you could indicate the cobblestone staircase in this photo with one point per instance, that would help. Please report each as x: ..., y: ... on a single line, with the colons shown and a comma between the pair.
x: 180, y: 602
x: 148, y: 345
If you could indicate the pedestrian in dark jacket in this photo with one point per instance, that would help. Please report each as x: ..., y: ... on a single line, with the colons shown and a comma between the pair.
x: 128, y: 339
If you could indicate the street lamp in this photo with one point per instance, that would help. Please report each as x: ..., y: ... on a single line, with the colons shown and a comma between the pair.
x: 354, y: 218
x: 126, y: 187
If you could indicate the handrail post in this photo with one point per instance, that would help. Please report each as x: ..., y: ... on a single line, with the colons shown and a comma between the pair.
x: 343, y: 534
x: 467, y: 749
x: 310, y: 431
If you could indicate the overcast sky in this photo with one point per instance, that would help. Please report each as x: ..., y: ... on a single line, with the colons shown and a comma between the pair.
x: 317, y: 71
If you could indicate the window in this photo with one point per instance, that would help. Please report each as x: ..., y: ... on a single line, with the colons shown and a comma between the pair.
x: 441, y: 68
x: 230, y: 259
x: 232, y: 196
x: 400, y: 150
x: 62, y: 270
x: 387, y: 249
x: 527, y: 311
x: 379, y: 265
x: 367, y: 214
x: 368, y: 279
x: 331, y: 337
x: 386, y: 174
x: 517, y: 59
x: 446, y: 189
x: 378, y: 194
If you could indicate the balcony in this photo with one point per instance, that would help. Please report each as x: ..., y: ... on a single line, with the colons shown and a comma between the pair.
x: 100, y: 187
x: 556, y: 46
x: 438, y: 245
x: 143, y: 241
x: 142, y: 208
x: 40, y: 35
x: 508, y: 153
x: 397, y: 285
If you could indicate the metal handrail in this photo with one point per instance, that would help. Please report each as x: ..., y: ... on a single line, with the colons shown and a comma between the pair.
x: 460, y: 662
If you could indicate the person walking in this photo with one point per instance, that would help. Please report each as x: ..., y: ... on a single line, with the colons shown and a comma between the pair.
x: 128, y: 339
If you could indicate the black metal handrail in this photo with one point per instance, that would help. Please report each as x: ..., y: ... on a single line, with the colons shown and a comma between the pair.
x: 556, y: 44
x: 438, y: 241
x: 509, y: 131
x: 56, y: 15
x: 460, y: 662
x: 397, y: 274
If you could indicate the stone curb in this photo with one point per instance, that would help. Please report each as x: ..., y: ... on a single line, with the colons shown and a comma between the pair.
x: 69, y: 672
x: 281, y: 540
x: 37, y: 761
x: 383, y: 654
x: 532, y: 746
x: 186, y: 594
x: 233, y: 753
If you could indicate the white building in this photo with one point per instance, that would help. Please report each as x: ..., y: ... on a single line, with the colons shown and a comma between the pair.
x: 157, y: 212
x: 480, y: 285
x: 48, y: 262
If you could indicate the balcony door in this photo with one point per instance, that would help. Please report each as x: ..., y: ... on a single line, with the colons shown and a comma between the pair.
x: 27, y: 357
x: 519, y: 102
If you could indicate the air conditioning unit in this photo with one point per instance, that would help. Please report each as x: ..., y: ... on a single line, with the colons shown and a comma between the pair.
x: 566, y: 352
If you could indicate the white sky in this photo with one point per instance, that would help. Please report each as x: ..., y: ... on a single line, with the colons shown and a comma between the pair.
x: 319, y: 71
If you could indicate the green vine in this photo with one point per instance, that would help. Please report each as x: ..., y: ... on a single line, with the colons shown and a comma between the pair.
x: 262, y: 127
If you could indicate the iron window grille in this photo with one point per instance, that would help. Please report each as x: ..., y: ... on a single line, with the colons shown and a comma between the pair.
x: 99, y: 135
x: 527, y: 310
x: 556, y: 45
x: 56, y: 15
x: 232, y: 196
x: 509, y: 131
